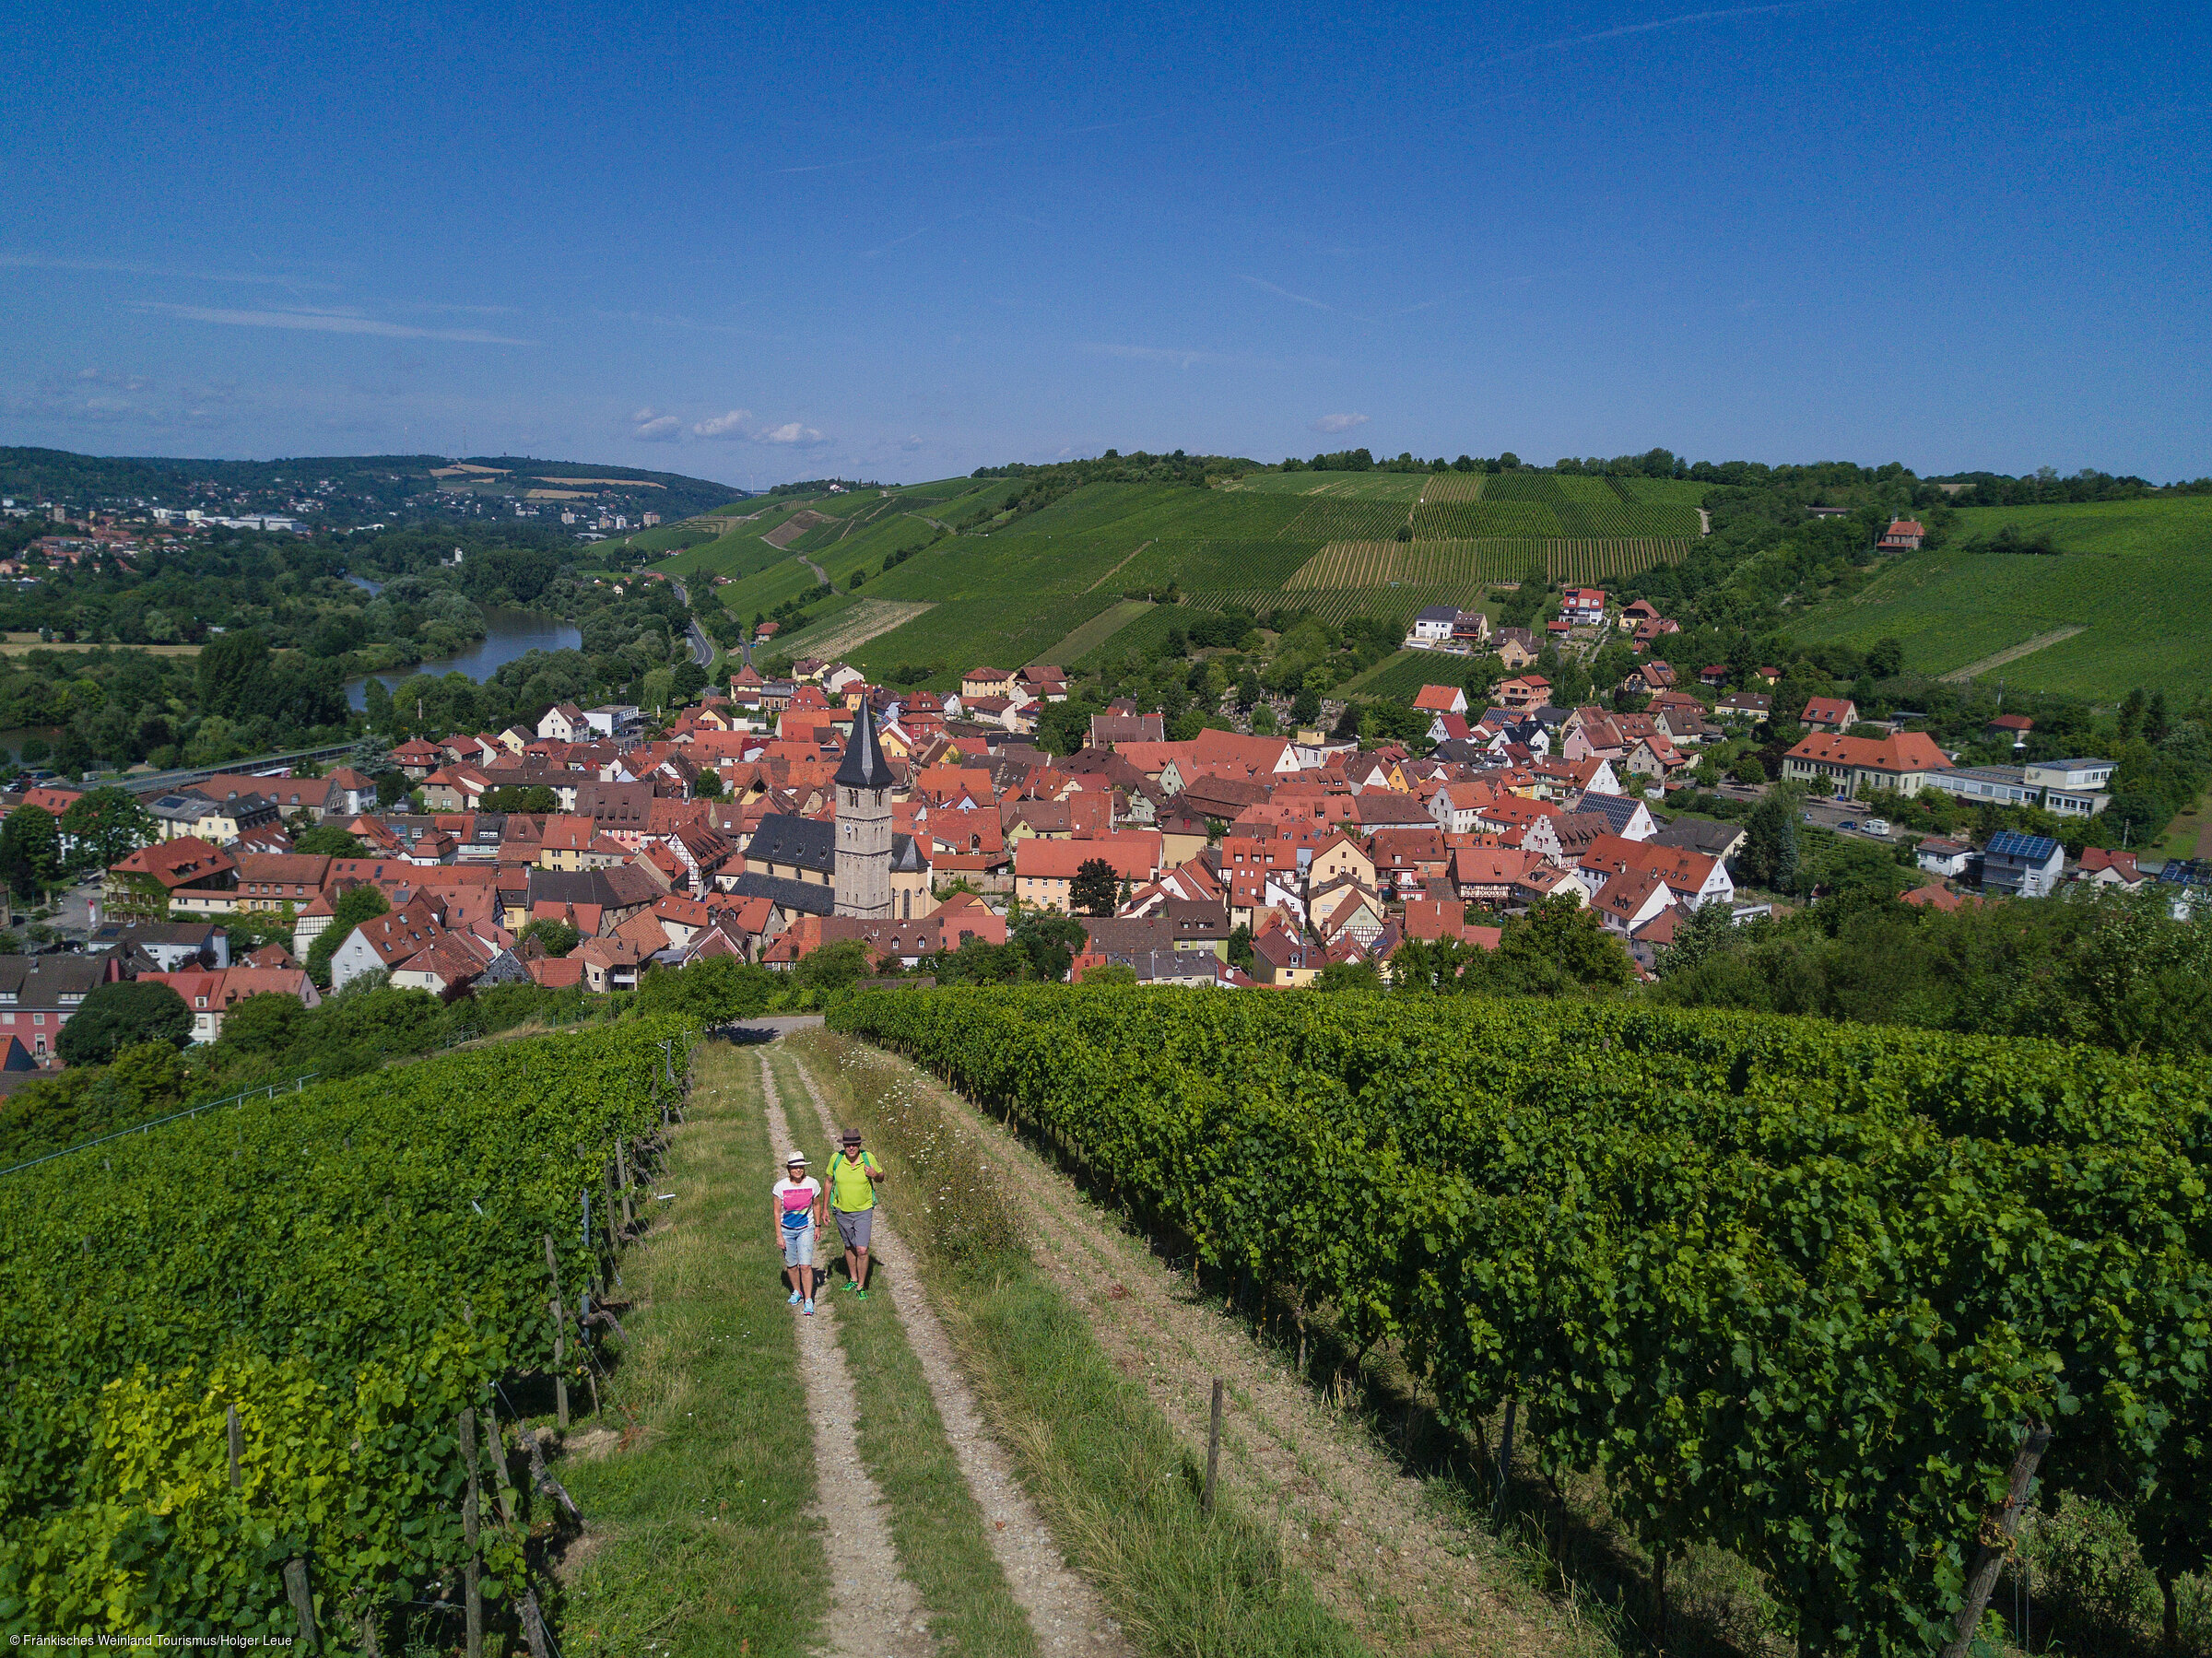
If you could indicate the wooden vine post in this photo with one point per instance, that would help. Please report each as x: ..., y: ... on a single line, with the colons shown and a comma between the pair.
x: 236, y: 1435
x: 1997, y: 1534
x: 1505, y: 1451
x: 303, y: 1598
x: 472, y: 1569
x: 622, y: 1173
x: 560, y: 1375
x: 560, y: 1379
x: 1213, y: 1448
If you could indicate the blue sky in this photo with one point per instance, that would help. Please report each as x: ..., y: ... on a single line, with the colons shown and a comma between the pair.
x: 755, y: 243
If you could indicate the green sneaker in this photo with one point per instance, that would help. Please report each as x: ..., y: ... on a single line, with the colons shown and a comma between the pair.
x: 855, y: 1284
x: 863, y: 1295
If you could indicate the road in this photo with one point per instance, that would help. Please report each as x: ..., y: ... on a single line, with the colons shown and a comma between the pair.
x: 1819, y: 813
x: 702, y: 647
x: 820, y: 574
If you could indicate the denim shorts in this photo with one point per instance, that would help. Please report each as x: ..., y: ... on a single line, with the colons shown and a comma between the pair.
x: 798, y: 1247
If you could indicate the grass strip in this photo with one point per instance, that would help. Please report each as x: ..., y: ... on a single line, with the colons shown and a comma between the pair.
x: 698, y: 1538
x: 1095, y: 1455
x: 935, y: 1521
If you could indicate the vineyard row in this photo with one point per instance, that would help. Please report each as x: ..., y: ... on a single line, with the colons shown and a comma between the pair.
x: 1816, y: 1296
x: 253, y: 1336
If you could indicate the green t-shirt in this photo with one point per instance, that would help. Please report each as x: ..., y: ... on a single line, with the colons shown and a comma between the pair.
x: 850, y: 1188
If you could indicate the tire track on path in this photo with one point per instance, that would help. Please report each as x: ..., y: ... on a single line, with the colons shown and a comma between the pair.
x: 875, y: 1611
x: 1064, y: 1614
x: 1381, y: 1551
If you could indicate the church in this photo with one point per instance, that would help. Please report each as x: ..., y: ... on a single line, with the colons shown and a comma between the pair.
x: 863, y: 878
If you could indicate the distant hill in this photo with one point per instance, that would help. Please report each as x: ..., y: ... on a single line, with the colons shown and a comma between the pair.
x: 932, y: 578
x: 351, y: 489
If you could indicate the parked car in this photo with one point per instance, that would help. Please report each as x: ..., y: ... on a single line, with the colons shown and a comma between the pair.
x: 1874, y: 826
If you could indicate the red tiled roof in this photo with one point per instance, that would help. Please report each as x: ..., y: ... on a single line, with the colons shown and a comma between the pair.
x: 1905, y: 751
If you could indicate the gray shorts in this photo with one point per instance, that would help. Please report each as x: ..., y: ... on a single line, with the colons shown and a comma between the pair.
x: 854, y: 1225
x: 798, y: 1247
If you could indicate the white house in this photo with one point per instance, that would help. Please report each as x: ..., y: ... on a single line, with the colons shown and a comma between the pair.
x: 1456, y: 809
x: 1434, y: 625
x: 1944, y: 857
x: 563, y: 722
x: 609, y: 720
x: 1583, y: 606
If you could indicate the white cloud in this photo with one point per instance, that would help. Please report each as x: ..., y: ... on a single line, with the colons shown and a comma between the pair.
x: 657, y: 428
x: 731, y: 424
x: 322, y: 322
x: 911, y: 444
x: 1337, y: 423
x: 791, y: 432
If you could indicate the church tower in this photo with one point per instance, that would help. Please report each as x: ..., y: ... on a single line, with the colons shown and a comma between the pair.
x: 864, y: 823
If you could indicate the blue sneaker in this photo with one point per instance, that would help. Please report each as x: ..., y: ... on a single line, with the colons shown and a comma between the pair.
x: 809, y: 1308
x: 796, y: 1298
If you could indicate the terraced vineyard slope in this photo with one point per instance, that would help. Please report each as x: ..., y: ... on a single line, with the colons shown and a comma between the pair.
x: 1057, y: 581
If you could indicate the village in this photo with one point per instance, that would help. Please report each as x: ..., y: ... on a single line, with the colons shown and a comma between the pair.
x: 781, y: 816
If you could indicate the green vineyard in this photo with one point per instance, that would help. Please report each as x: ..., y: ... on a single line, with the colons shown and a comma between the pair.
x: 1347, y: 564
x: 1801, y: 1292
x: 1419, y: 563
x: 243, y: 1343
x: 1337, y: 518
x: 1594, y: 562
x: 1338, y: 604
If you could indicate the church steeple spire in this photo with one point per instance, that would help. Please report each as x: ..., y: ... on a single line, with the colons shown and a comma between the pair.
x: 864, y: 767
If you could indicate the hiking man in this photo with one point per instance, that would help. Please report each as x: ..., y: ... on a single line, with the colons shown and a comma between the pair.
x: 798, y: 1208
x: 853, y: 1177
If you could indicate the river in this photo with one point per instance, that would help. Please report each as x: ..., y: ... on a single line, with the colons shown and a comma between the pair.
x: 509, y: 632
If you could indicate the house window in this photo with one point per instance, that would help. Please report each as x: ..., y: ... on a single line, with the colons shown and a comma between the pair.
x: 38, y: 1018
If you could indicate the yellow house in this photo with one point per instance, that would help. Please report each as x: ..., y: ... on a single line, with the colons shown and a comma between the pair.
x: 1341, y: 856
x: 1286, y: 962
x: 986, y: 682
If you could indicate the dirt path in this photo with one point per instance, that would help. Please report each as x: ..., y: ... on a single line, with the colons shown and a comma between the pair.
x: 874, y: 1610
x: 820, y: 574
x: 1064, y: 1612
x: 1704, y: 522
x: 2025, y: 647
x: 1382, y: 1553
x: 1110, y: 575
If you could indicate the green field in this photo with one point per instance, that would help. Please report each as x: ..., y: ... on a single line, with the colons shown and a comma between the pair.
x: 1147, y: 628
x: 1403, y: 487
x: 1048, y: 586
x: 1096, y: 633
x: 1003, y: 600
x: 2134, y: 576
x: 1202, y: 564
x: 1141, y: 511
x: 1339, y: 604
x: 1399, y: 678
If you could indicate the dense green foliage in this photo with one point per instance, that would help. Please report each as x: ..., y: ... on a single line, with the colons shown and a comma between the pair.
x: 348, y: 1267
x: 267, y: 1040
x: 1790, y: 1289
x: 112, y: 1016
x: 2107, y: 968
